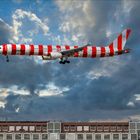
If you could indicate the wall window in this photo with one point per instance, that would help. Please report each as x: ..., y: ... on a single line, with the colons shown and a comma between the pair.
x: 132, y: 131
x: 62, y: 136
x: 38, y: 128
x: 92, y: 128
x: 32, y: 128
x: 8, y: 136
x: 99, y: 128
x: 25, y: 128
x: 66, y: 128
x: 50, y: 125
x: 88, y: 136
x: 73, y: 128
x: 79, y: 128
x: 79, y: 136
x: 119, y: 128
x: 124, y: 136
x: 116, y: 137
x: 53, y: 127
x: 133, y: 136
x: 18, y: 128
x: 86, y: 128
x: 17, y: 136
x: 1, y: 136
x: 44, y: 137
x: 112, y: 128
x: 44, y: 128
x: 132, y: 126
x: 27, y: 136
x: 4, y: 128
x: 106, y: 136
x: 11, y: 128
x: 57, y: 126
x: 106, y: 128
x: 35, y: 136
x: 138, y: 126
x: 125, y: 128
x: 97, y: 136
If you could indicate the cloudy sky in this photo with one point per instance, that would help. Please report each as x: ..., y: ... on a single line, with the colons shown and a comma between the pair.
x: 86, y: 89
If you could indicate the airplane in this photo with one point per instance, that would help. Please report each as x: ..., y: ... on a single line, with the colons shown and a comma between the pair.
x: 50, y: 52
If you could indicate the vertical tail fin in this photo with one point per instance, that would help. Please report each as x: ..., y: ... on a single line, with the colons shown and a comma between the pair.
x: 120, y: 41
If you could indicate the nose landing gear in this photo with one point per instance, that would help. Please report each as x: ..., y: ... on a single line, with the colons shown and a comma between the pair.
x: 7, y: 58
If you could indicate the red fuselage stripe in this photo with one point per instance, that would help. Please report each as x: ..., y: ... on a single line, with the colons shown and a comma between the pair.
x: 85, y: 52
x: 31, y: 50
x: 58, y: 48
x: 22, y: 51
x: 49, y: 49
x: 4, y: 52
x: 102, y: 51
x: 93, y: 51
x: 40, y: 50
x: 13, y: 49
x: 67, y: 47
x: 111, y: 49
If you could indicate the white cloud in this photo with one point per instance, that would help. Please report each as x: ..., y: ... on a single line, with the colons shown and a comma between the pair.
x: 108, y: 33
x: 131, y: 104
x: 18, y: 18
x: 17, y: 91
x: 52, y: 90
x: 3, y: 94
x: 128, y: 5
x: 137, y: 96
x: 104, y: 69
x: 17, y: 109
x: 2, y: 104
x: 78, y: 18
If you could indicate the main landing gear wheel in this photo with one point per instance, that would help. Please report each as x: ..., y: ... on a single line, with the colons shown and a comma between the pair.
x: 67, y: 61
x: 63, y: 62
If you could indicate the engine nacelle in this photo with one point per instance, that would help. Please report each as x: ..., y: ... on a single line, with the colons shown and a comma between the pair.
x: 52, y: 56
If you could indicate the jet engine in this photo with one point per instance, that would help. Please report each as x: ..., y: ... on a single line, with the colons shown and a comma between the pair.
x: 52, y: 56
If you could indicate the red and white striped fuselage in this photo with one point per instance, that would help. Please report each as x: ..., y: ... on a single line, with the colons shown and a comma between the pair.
x: 46, y: 50
x: 50, y: 52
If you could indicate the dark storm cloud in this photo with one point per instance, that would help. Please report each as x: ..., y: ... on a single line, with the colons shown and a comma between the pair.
x: 106, y: 96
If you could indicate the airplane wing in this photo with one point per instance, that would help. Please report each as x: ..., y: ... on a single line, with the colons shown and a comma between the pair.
x: 72, y: 51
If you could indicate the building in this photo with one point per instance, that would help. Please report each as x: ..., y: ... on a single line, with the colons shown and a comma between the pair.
x: 47, y: 130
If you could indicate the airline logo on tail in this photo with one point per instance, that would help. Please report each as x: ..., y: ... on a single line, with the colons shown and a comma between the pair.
x: 63, y: 53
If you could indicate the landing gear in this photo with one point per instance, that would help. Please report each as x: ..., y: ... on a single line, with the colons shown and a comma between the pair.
x: 67, y: 61
x: 7, y: 58
x: 64, y: 61
x: 61, y: 62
